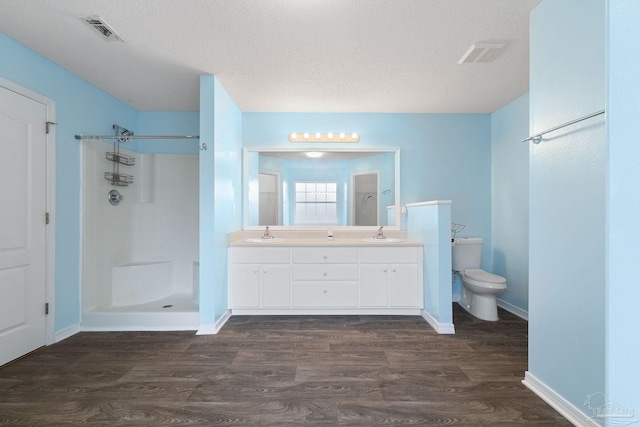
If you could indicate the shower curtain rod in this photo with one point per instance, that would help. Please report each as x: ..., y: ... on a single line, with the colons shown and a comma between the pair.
x: 537, y: 138
x: 126, y: 138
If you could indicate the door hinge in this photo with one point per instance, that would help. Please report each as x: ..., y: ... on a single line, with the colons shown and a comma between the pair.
x: 46, y: 217
x: 46, y: 308
x: 47, y: 126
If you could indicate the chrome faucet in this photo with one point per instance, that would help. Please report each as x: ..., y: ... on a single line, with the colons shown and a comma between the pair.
x: 267, y: 234
x: 380, y: 234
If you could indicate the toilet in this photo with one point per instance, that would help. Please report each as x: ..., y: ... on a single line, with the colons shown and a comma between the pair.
x: 479, y: 288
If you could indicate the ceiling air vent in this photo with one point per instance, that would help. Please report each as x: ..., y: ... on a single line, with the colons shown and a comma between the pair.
x: 482, y: 52
x: 103, y: 28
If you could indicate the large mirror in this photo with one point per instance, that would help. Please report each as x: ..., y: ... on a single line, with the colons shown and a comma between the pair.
x: 316, y: 188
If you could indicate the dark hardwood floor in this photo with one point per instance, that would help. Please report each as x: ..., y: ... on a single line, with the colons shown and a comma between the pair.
x: 282, y: 371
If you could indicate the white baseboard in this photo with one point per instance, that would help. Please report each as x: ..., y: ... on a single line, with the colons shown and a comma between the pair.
x: 523, y: 314
x: 215, y: 328
x: 441, y: 328
x: 65, y: 333
x: 557, y: 402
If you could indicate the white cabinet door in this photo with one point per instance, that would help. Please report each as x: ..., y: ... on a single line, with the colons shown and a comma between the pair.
x: 403, y: 285
x: 22, y: 225
x: 255, y: 285
x: 276, y: 291
x: 374, y: 285
x: 245, y: 285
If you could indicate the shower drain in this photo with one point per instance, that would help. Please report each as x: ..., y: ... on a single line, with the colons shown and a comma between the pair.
x: 167, y: 306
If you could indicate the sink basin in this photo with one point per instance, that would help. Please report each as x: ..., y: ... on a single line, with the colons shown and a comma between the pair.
x: 385, y: 240
x: 261, y: 240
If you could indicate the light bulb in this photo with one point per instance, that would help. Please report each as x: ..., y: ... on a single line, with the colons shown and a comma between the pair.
x: 354, y: 136
x: 330, y: 135
x: 294, y: 136
x: 306, y: 135
x: 318, y: 135
x: 342, y: 135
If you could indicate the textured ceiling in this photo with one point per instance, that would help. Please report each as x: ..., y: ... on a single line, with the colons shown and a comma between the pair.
x: 287, y: 55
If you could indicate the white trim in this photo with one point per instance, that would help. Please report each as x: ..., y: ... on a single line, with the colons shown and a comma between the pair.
x: 381, y: 311
x: 50, y: 230
x: 215, y: 328
x: 429, y: 203
x: 67, y: 332
x: 279, y: 195
x: 441, y: 328
x: 557, y: 402
x: 50, y: 200
x: 513, y: 309
x: 352, y: 195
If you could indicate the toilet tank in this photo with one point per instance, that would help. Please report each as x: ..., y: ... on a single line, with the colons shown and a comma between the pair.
x: 466, y: 253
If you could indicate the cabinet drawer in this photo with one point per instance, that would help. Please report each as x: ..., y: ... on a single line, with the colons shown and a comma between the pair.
x: 389, y: 255
x: 260, y: 255
x: 324, y: 272
x: 325, y: 294
x: 325, y: 255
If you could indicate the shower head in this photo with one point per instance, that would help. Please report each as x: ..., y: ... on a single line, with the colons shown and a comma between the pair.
x: 122, y: 132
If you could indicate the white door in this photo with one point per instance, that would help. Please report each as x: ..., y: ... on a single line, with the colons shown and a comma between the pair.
x: 22, y: 225
x: 269, y: 199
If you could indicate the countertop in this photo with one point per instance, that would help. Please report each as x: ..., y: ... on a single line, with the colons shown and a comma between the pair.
x: 317, y: 241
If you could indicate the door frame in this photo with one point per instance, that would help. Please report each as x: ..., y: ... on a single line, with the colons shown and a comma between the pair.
x: 352, y: 216
x: 279, y: 207
x: 50, y: 201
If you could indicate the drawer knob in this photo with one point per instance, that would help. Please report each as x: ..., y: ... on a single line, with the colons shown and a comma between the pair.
x: 324, y: 256
x: 325, y: 291
x: 324, y: 274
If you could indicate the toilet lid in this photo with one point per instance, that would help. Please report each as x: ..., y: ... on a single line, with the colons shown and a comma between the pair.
x: 483, y: 276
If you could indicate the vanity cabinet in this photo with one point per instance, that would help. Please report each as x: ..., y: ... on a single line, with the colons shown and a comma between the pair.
x: 325, y: 280
x: 390, y: 278
x: 260, y: 278
x: 324, y: 277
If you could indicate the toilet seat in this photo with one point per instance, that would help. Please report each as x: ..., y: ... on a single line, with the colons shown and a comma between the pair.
x: 482, y: 276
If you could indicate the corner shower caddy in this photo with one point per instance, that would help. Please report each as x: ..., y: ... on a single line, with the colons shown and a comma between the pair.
x: 124, y: 135
x: 115, y: 176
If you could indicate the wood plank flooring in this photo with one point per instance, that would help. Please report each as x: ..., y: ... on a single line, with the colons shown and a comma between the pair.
x: 282, y: 371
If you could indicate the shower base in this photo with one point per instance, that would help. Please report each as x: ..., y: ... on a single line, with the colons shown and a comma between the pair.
x: 173, y: 313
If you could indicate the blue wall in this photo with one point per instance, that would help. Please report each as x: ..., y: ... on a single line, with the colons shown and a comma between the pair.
x: 228, y: 186
x: 442, y: 156
x: 207, y: 248
x: 430, y: 223
x: 80, y: 108
x: 220, y: 194
x: 510, y: 201
x: 567, y: 194
x: 623, y: 126
x: 167, y: 123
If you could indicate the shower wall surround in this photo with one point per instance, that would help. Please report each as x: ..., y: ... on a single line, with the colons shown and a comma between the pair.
x: 155, y: 224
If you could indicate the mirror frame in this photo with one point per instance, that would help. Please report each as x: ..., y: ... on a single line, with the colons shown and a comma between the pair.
x: 245, y: 187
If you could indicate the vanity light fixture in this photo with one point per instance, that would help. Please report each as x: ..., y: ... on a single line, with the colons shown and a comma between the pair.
x: 324, y: 137
x: 314, y: 154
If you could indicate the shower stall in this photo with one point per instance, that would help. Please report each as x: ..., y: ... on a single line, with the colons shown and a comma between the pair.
x: 139, y: 238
